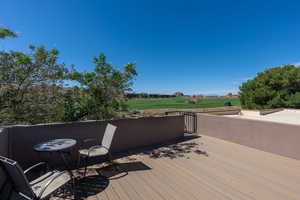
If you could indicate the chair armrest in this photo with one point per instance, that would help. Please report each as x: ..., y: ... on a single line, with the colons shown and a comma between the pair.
x: 51, y: 181
x: 34, y: 166
x: 24, y: 196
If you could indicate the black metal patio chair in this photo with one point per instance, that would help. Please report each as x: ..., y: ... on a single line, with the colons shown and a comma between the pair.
x: 14, y: 181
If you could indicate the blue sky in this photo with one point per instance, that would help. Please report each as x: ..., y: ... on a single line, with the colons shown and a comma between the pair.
x: 197, y: 47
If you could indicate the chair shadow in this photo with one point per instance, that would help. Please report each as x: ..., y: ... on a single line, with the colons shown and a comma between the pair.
x: 121, y: 169
x: 84, y: 187
x: 90, y: 186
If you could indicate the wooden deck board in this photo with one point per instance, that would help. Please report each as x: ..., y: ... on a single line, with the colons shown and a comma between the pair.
x: 228, y: 171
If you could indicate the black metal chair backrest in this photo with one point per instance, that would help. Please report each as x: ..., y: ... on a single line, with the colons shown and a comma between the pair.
x: 15, y: 176
x: 6, y: 186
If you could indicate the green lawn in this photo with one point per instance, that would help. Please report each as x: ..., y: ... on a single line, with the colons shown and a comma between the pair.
x: 178, y: 102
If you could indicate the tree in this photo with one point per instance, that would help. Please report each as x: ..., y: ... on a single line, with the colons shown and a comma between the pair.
x: 5, y: 32
x: 31, y: 86
x: 103, y: 90
x: 275, y: 87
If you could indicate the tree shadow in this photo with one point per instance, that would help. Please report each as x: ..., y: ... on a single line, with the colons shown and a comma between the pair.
x: 180, y: 148
x: 172, y: 151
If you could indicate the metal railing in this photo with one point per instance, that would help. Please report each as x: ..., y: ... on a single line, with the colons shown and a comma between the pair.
x: 190, y: 120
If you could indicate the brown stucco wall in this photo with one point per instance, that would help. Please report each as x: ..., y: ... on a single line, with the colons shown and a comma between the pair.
x: 279, y: 138
x: 3, y: 142
x: 131, y: 133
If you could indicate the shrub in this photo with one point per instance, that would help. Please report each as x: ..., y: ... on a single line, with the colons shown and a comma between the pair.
x: 274, y: 88
x: 227, y: 103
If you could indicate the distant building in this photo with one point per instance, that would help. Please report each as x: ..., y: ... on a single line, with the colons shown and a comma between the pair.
x: 178, y: 94
x: 197, y: 97
x: 230, y: 95
x: 145, y: 95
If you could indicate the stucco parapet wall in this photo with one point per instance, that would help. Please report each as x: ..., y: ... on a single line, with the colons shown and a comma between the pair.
x: 130, y: 134
x: 274, y: 137
x: 248, y: 119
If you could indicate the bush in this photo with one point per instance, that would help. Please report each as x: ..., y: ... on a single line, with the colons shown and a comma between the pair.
x: 276, y: 87
x: 227, y: 103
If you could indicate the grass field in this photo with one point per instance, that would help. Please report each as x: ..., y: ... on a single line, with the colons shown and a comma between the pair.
x: 178, y: 102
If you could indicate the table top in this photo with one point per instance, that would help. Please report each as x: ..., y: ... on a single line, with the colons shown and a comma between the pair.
x: 55, y: 145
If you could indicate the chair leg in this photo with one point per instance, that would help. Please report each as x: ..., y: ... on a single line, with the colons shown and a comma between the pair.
x: 114, y: 164
x: 85, y: 166
x: 78, y: 161
x: 73, y: 186
x: 74, y: 191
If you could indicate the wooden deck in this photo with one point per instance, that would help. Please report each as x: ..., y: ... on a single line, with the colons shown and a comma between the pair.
x: 201, y: 168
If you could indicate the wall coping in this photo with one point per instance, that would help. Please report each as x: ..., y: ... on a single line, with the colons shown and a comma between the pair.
x: 85, y: 122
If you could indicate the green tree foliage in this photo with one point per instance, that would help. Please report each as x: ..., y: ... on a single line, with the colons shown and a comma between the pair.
x: 273, y: 88
x: 102, y: 91
x: 31, y: 86
x: 5, y: 32
x: 32, y: 89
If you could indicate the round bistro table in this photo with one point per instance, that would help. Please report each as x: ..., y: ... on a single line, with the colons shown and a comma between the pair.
x: 60, y: 146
